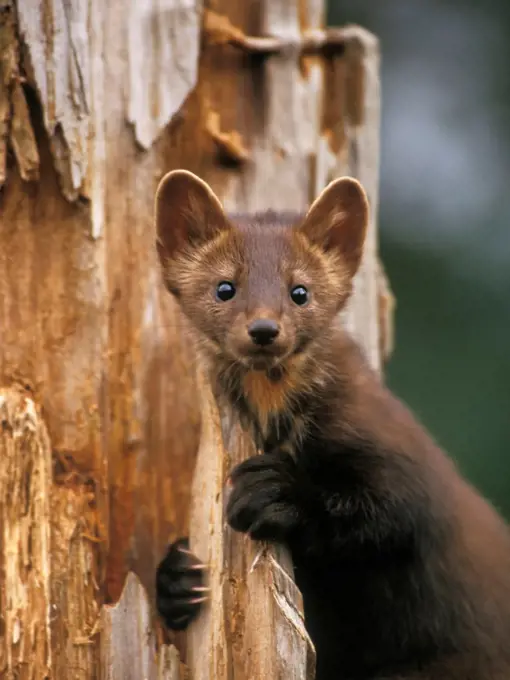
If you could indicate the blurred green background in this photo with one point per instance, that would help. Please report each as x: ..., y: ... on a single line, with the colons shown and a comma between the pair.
x: 445, y: 219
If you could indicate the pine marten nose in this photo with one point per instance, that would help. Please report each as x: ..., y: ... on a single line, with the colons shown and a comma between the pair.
x: 263, y: 331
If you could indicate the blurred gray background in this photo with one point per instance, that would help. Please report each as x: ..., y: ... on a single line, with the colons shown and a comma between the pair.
x: 445, y: 219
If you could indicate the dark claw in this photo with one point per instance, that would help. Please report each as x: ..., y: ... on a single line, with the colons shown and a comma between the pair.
x: 180, y: 577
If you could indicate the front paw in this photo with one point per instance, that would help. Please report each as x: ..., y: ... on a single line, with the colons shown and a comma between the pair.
x: 180, y: 586
x: 264, y: 497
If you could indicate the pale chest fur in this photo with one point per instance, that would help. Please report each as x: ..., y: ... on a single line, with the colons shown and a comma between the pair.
x: 272, y: 406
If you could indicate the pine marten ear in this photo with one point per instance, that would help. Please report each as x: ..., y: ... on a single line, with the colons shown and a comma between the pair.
x: 187, y: 213
x: 338, y: 220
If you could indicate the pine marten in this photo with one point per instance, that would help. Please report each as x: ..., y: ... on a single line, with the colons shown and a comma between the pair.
x: 403, y: 567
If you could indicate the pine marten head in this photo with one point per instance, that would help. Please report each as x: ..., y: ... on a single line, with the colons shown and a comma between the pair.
x: 262, y: 288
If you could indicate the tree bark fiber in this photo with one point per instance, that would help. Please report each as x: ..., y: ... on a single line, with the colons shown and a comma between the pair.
x: 102, y: 412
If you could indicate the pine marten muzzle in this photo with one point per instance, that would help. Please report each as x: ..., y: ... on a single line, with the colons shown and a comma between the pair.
x: 404, y: 568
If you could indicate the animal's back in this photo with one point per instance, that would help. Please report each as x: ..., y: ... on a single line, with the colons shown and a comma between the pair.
x: 437, y: 609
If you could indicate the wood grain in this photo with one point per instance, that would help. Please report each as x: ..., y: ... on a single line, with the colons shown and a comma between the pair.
x: 98, y: 99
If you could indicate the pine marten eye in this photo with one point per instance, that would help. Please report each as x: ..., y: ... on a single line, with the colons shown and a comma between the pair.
x: 225, y: 291
x: 299, y: 295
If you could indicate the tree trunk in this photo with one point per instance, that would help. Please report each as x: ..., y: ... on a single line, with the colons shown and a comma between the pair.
x: 321, y: 120
x: 100, y: 417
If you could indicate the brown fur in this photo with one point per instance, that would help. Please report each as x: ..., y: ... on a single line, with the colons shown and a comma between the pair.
x: 404, y: 568
x: 269, y: 396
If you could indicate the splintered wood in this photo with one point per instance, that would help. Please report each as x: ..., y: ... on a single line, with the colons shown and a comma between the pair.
x: 98, y: 99
x: 48, y: 589
x: 25, y: 555
x: 128, y: 642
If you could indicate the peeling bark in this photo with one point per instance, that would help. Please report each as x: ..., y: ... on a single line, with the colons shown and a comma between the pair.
x: 163, y: 38
x: 15, y: 127
x: 98, y: 99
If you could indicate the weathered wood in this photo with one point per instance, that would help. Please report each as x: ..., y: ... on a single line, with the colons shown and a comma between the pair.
x: 15, y: 129
x: 98, y: 99
x: 128, y: 640
x: 74, y: 577
x: 84, y: 323
x: 49, y: 583
x: 163, y: 38
x: 52, y: 324
x: 350, y: 146
x: 25, y: 556
x: 254, y: 626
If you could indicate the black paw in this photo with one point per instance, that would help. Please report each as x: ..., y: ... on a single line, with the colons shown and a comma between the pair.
x: 180, y: 586
x: 263, y: 497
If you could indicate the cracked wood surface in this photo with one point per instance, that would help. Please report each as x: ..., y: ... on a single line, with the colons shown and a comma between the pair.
x: 98, y: 99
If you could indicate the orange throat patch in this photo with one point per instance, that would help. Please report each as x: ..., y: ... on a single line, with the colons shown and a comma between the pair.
x: 268, y: 396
